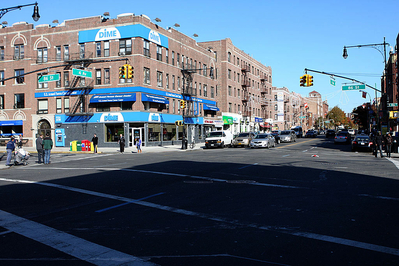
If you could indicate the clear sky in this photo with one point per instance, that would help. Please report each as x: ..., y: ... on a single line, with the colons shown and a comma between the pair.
x: 288, y: 36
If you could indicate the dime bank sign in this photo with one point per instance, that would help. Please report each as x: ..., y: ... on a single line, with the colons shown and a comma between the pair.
x: 129, y: 31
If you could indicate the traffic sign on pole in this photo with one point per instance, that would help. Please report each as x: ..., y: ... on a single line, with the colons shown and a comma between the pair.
x: 392, y: 104
x: 47, y: 78
x: 81, y: 73
x: 353, y: 87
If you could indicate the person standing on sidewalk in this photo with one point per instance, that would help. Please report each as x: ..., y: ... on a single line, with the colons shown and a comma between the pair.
x: 378, y: 144
x: 10, y: 148
x: 388, y: 144
x: 95, y: 142
x: 138, y: 145
x: 121, y: 143
x: 47, y: 146
x: 39, y: 148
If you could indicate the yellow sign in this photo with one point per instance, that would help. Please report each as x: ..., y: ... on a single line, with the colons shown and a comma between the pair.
x: 393, y: 114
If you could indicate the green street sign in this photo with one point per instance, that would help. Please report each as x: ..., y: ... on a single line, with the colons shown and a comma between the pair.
x: 47, y: 78
x: 302, y: 117
x: 392, y: 104
x: 81, y: 73
x: 332, y: 81
x: 353, y: 87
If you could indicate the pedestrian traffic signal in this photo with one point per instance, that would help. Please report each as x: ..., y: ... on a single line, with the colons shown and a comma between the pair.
x: 309, y: 80
x: 130, y: 72
x: 122, y: 72
x: 179, y: 123
x: 303, y: 80
x: 182, y: 104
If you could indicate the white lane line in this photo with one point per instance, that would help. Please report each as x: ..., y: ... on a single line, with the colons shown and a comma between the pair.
x: 379, y: 197
x: 69, y: 244
x: 325, y: 238
x: 396, y: 163
x: 248, y: 166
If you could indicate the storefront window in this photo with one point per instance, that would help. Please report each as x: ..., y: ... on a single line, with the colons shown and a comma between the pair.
x: 169, y: 132
x: 113, y: 131
x: 154, y: 132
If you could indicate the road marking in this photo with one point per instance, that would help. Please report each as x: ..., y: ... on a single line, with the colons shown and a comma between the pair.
x: 123, y: 204
x: 396, y: 163
x: 378, y: 197
x: 248, y: 166
x: 295, y: 143
x: 69, y: 244
x: 40, y: 236
x: 285, y: 155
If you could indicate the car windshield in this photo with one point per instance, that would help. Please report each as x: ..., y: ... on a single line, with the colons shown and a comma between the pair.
x: 215, y: 134
x: 261, y: 136
x: 243, y: 135
x: 285, y: 132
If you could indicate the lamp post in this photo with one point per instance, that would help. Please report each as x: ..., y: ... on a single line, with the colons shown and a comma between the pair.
x: 35, y: 15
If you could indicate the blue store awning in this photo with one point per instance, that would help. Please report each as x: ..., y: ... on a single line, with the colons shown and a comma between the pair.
x: 153, y: 98
x: 11, y: 123
x: 115, y: 97
x: 211, y: 107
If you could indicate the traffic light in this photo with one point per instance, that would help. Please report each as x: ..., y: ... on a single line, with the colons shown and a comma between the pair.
x: 130, y: 71
x: 303, y: 80
x: 309, y: 80
x: 122, y: 72
x: 179, y: 123
x: 182, y: 104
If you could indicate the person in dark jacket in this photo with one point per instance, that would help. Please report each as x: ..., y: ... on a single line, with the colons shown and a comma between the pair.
x: 10, y: 148
x: 39, y: 148
x: 95, y: 142
x: 121, y: 143
x: 47, y: 146
x: 388, y: 144
x: 378, y: 144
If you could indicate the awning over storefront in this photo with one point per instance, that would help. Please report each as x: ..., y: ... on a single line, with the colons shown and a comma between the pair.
x: 11, y: 123
x: 116, y: 97
x: 211, y: 107
x: 154, y: 98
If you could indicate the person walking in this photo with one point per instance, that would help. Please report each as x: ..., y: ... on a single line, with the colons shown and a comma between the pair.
x: 388, y: 144
x: 121, y: 143
x: 138, y: 145
x: 47, y: 146
x: 378, y: 144
x: 39, y: 148
x: 95, y: 142
x: 10, y: 148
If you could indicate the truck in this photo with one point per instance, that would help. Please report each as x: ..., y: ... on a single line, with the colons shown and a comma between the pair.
x: 220, y: 138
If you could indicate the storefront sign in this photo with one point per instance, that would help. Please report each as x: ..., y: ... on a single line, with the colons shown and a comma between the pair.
x: 228, y: 120
x: 153, y: 117
x: 107, y: 34
x: 258, y: 120
x: 111, y: 117
x: 128, y: 97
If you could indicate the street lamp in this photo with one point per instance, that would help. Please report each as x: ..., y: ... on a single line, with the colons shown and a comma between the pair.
x: 35, y: 15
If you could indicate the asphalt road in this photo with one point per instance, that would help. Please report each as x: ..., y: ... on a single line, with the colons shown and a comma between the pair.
x: 305, y: 203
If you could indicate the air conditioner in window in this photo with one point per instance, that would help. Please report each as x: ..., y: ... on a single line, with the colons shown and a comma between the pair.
x: 121, y: 53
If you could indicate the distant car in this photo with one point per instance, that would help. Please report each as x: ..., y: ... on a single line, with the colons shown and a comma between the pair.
x: 342, y: 137
x: 330, y: 133
x: 287, y: 136
x: 276, y: 137
x: 243, y: 139
x: 352, y: 131
x: 310, y: 134
x: 362, y: 142
x: 263, y: 140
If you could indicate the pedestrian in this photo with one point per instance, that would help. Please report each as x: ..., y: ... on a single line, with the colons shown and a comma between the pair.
x: 138, y: 145
x: 19, y: 141
x: 121, y: 143
x: 95, y: 142
x: 39, y: 148
x: 378, y: 141
x: 388, y: 144
x: 10, y: 148
x: 47, y: 146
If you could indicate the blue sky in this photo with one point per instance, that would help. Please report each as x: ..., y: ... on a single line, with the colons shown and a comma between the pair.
x: 288, y: 36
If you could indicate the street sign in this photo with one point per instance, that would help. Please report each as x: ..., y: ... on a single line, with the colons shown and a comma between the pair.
x: 392, y: 104
x: 47, y: 78
x: 353, y: 87
x: 81, y: 73
x: 302, y: 117
x: 332, y: 82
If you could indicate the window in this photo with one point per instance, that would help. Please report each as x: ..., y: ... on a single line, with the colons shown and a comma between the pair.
x: 58, y: 82
x: 107, y: 78
x: 59, y: 105
x: 98, y: 49
x: 173, y: 58
x: 42, y: 56
x: 126, y: 106
x: 41, y: 85
x: 204, y: 73
x: 230, y: 108
x: 275, y: 107
x: 173, y: 82
x: 66, y: 79
x: 159, y: 79
x: 58, y: 53
x: 229, y: 57
x: 1, y: 77
x: 66, y: 105
x: 229, y: 74
x: 20, y: 79
x: 42, y: 106
x: 212, y: 92
x: 1, y: 53
x: 178, y: 60
x: 19, y: 52
x: 146, y: 47
x: 19, y: 101
x: 159, y: 53
x: 199, y: 89
x: 1, y: 101
x: 106, y: 48
x: 147, y: 76
x: 102, y: 107
x: 98, y: 76
x: 167, y: 81
x: 205, y: 91
x: 178, y: 83
x: 167, y: 56
x: 229, y: 90
x: 66, y: 52
x: 82, y: 51
x: 125, y: 46
x: 174, y: 106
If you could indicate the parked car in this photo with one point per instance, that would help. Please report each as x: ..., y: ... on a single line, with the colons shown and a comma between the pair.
x: 310, y: 134
x: 287, y: 136
x: 330, y: 133
x: 276, y: 137
x: 263, y: 140
x: 362, y: 142
x: 243, y: 139
x: 342, y: 137
x: 352, y: 131
x: 219, y: 138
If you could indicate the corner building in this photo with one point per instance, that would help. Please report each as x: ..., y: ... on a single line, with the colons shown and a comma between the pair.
x: 91, y: 97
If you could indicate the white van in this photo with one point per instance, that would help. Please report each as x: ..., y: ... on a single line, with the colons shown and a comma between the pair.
x: 298, y: 131
x: 219, y: 138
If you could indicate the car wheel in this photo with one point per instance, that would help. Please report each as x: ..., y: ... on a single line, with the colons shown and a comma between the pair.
x: 222, y: 145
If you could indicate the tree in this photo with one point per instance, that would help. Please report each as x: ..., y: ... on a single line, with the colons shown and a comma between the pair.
x: 337, y: 116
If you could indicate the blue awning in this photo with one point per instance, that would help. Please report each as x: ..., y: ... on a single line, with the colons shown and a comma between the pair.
x: 211, y: 107
x: 153, y: 98
x: 11, y: 123
x: 115, y: 97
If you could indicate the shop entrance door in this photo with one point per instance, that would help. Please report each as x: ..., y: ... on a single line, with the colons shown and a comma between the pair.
x: 134, y: 134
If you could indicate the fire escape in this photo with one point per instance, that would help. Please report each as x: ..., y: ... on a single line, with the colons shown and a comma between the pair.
x: 188, y: 92
x: 245, y: 84
x: 264, y: 101
x: 79, y: 86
